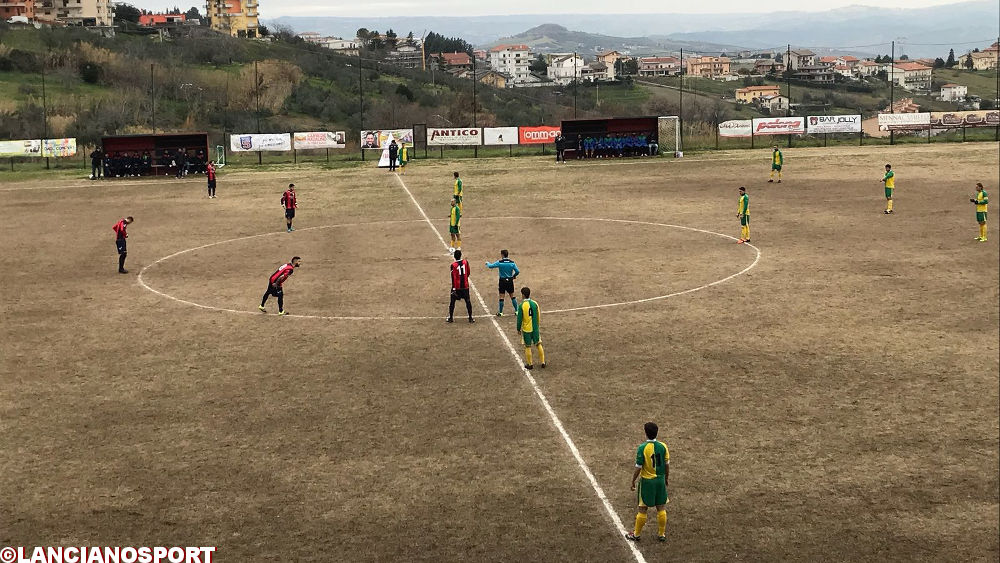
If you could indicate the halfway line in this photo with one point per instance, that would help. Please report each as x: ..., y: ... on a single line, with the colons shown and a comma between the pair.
x: 619, y: 527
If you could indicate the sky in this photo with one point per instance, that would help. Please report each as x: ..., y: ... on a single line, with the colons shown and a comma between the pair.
x: 375, y: 8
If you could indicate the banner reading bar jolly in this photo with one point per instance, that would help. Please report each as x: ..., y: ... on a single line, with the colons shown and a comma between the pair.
x: 979, y: 118
x: 834, y: 124
x: 902, y: 121
x: 500, y: 136
x: 437, y: 136
x: 779, y: 126
x: 540, y: 135
x: 735, y: 128
x: 260, y: 142
x: 320, y: 140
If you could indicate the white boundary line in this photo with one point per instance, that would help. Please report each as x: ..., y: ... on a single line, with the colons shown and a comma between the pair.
x: 142, y: 283
x: 615, y: 520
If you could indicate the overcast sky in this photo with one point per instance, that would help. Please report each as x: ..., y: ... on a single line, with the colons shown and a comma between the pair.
x: 374, y: 8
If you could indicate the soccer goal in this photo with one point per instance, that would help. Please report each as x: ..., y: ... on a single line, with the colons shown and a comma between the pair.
x: 669, y: 132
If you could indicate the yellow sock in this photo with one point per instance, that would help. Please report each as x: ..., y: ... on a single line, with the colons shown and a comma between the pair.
x: 888, y: 204
x: 772, y: 174
x: 527, y: 355
x: 541, y: 354
x: 640, y: 521
x: 982, y: 230
x: 458, y: 243
x: 661, y: 520
x: 779, y: 174
x: 746, y: 230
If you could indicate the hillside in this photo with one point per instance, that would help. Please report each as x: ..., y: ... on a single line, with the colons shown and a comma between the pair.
x: 553, y: 38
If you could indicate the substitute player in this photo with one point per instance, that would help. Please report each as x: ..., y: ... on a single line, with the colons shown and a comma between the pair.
x: 210, y: 174
x: 290, y: 203
x: 275, y: 285
x: 508, y: 273
x: 121, y: 234
x: 528, y: 320
x: 981, y: 200
x: 652, y: 468
x: 890, y: 184
x: 459, y: 192
x: 743, y: 213
x: 404, y: 157
x: 777, y: 159
x: 455, y: 226
x: 459, y: 286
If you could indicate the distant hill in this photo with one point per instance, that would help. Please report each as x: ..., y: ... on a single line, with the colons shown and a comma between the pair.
x: 553, y: 38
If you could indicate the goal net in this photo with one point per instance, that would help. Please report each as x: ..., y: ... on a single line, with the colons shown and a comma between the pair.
x: 669, y: 133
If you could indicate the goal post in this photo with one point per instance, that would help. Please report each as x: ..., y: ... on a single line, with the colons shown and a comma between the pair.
x: 669, y: 132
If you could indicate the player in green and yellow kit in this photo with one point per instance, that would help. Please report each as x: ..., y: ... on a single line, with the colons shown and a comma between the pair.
x: 981, y: 200
x: 455, y: 226
x: 743, y: 213
x: 890, y: 184
x: 458, y: 191
x: 528, y: 318
x: 777, y: 159
x: 652, y: 468
x: 404, y: 157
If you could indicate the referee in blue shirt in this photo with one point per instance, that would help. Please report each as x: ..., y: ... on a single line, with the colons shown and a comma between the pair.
x: 508, y: 273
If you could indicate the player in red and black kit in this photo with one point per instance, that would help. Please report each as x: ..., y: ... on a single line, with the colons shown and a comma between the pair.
x: 210, y: 173
x: 459, y: 286
x: 275, y: 283
x: 289, y: 203
x: 120, y: 236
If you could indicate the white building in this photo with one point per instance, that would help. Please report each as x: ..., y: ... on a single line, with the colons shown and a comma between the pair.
x: 512, y: 60
x: 659, y: 66
x: 798, y: 58
x: 564, y: 69
x: 954, y: 93
x: 912, y: 76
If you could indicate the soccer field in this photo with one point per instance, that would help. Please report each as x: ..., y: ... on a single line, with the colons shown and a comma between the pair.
x: 829, y: 393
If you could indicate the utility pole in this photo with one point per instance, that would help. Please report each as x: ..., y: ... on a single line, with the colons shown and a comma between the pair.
x: 788, y: 85
x: 575, y: 85
x: 152, y: 97
x: 45, y: 113
x: 996, y: 101
x: 475, y: 149
x: 361, y: 98
x: 680, y: 112
x: 892, y: 84
x: 256, y: 83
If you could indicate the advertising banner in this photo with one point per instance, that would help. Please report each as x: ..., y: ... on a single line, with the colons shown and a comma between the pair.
x: 31, y: 147
x: 779, y: 126
x: 320, y: 140
x: 437, y: 136
x: 260, y: 142
x: 380, y: 138
x: 735, y: 128
x: 834, y: 124
x: 902, y: 121
x: 976, y: 118
x: 537, y: 135
x: 500, y: 136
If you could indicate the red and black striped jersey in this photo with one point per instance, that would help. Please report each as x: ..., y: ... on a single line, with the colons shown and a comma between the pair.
x: 211, y: 172
x: 460, y: 274
x: 120, y: 229
x: 288, y: 199
x: 281, y: 274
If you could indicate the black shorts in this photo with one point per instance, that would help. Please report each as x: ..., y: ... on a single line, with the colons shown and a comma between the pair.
x: 506, y: 285
x: 289, y: 214
x: 211, y: 184
x: 120, y: 243
x: 460, y: 294
x: 274, y: 290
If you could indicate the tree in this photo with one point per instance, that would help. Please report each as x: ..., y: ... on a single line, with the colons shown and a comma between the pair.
x: 363, y: 34
x: 904, y: 57
x: 539, y: 66
x: 193, y: 14
x: 968, y: 61
x: 778, y: 58
x: 631, y: 67
x: 409, y: 39
x: 939, y: 63
x: 391, y: 39
x: 127, y: 13
x: 951, y: 59
x: 263, y: 31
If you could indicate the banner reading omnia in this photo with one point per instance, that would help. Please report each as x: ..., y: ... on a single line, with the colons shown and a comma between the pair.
x: 540, y: 135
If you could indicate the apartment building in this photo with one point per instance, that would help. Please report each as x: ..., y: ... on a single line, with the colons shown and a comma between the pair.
x: 564, y: 69
x: 912, y: 76
x: 659, y: 66
x: 751, y: 94
x: 708, y: 67
x: 235, y: 17
x: 512, y: 60
x: 22, y: 8
x: 87, y: 13
x: 798, y: 58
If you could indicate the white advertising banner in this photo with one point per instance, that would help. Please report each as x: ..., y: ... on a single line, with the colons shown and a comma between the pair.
x: 59, y: 147
x: 834, y: 124
x: 735, y: 128
x: 897, y: 121
x: 437, y: 136
x: 31, y: 147
x: 260, y: 142
x: 320, y: 140
x: 779, y: 126
x: 500, y: 136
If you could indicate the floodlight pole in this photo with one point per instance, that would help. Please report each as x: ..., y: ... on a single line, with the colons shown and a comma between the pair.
x: 680, y: 111
x: 475, y: 149
x: 575, y: 85
x: 152, y: 98
x: 892, y: 84
x: 45, y: 114
x: 361, y: 98
x: 256, y: 84
x: 788, y: 84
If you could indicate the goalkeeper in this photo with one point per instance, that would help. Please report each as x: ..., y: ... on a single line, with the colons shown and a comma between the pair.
x: 508, y: 273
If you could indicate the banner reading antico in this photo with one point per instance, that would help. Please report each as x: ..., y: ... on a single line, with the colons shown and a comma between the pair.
x: 541, y: 135
x: 439, y: 136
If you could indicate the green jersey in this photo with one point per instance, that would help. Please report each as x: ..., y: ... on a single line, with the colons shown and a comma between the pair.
x: 651, y: 459
x: 744, y: 208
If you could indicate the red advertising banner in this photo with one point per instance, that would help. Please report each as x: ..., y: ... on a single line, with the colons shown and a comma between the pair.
x: 537, y: 135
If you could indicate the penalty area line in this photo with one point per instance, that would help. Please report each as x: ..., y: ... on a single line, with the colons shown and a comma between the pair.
x: 615, y: 519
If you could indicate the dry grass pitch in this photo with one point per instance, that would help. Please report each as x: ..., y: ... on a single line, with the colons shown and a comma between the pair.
x: 838, y: 401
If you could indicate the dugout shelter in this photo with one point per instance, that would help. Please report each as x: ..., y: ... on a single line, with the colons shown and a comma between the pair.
x: 575, y: 130
x: 162, y: 150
